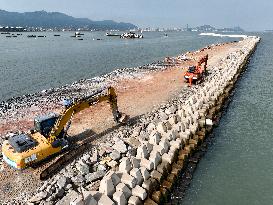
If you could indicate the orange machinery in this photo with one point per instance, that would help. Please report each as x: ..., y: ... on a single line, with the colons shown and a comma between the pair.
x: 197, y: 72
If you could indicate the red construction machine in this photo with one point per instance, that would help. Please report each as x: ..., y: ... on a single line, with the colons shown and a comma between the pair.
x: 197, y: 72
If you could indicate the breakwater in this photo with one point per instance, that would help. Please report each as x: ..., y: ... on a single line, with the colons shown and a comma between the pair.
x: 144, y: 168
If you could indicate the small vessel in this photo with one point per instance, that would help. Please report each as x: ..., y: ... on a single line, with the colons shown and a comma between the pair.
x: 80, y: 39
x: 77, y: 35
x: 41, y: 36
x: 31, y: 36
x: 165, y: 35
x: 131, y: 35
x: 112, y: 34
x: 57, y: 35
x: 5, y: 33
x: 8, y: 36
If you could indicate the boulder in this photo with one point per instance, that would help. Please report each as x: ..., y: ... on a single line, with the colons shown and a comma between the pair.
x: 120, y: 146
x: 115, y: 155
x: 62, y: 182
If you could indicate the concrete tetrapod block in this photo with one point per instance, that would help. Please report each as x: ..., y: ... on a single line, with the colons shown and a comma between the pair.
x: 150, y: 185
x: 173, y: 120
x: 124, y: 189
x: 165, y: 144
x: 135, y: 162
x: 145, y: 173
x: 142, y: 151
x: 155, y: 157
x: 193, y: 128
x: 154, y: 138
x: 115, y: 179
x: 164, y: 168
x: 149, y: 146
x: 96, y: 195
x: 139, y: 192
x: 161, y: 128
x: 125, y: 165
x: 182, y: 113
x: 134, y: 200
x: 88, y: 198
x: 168, y: 125
x: 167, y: 157
x: 129, y: 180
x: 159, y: 149
x: 170, y: 135
x: 180, y: 141
x: 176, y: 144
x: 147, y: 164
x: 178, y: 127
x: 173, y: 151
x: 105, y: 200
x: 157, y: 175
x: 107, y: 186
x: 137, y: 174
x: 77, y: 201
x: 119, y: 198
x: 185, y: 136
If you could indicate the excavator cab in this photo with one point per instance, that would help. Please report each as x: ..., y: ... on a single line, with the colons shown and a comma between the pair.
x: 45, y: 123
x: 192, y: 69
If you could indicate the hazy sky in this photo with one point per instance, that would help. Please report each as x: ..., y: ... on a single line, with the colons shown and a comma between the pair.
x: 249, y: 14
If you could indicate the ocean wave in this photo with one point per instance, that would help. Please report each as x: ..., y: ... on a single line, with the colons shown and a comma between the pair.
x: 224, y: 35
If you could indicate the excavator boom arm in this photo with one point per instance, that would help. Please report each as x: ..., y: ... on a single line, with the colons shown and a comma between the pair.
x: 82, y: 104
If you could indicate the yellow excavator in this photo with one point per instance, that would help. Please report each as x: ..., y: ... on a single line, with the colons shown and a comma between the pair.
x: 49, y: 135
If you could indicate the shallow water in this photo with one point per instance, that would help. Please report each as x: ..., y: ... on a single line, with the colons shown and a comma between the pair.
x: 237, y: 169
x: 32, y: 64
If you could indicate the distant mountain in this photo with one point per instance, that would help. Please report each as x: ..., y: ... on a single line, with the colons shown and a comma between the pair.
x: 59, y: 20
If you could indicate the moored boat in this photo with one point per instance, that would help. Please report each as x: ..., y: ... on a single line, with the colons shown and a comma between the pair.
x: 131, y: 35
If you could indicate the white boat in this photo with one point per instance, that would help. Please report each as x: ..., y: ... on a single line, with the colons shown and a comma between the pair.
x: 131, y: 35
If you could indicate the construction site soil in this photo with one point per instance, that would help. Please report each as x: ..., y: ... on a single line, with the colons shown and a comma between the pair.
x: 138, y: 94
